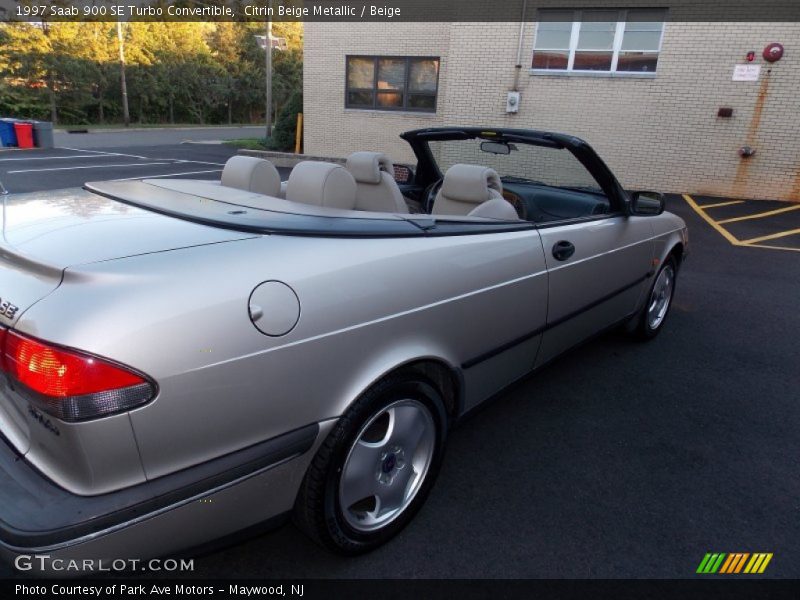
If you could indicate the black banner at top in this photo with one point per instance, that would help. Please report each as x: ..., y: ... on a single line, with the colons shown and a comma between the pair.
x: 385, y: 11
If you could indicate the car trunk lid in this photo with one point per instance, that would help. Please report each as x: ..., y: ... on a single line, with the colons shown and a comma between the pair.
x: 43, y: 233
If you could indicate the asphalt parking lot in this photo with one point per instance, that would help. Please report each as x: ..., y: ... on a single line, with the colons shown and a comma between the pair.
x: 36, y: 170
x: 755, y: 223
x: 619, y: 460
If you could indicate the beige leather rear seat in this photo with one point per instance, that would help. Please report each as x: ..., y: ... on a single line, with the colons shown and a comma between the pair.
x: 251, y: 174
x: 376, y: 189
x: 322, y: 184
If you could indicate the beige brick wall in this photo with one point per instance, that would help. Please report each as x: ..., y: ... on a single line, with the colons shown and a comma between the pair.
x: 660, y: 133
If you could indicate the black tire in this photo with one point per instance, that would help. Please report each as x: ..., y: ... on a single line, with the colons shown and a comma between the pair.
x: 317, y: 509
x: 643, y: 329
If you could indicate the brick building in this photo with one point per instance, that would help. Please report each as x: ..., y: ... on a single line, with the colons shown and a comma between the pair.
x: 644, y: 91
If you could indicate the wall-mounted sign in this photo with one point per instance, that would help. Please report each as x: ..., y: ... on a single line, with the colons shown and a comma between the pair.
x: 746, y: 72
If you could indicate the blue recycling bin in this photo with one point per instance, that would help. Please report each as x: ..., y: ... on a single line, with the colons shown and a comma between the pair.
x: 8, y: 136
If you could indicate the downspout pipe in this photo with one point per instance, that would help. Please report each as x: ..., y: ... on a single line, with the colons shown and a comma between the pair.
x: 518, y: 66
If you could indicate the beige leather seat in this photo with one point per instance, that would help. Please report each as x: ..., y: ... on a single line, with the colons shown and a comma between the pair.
x: 322, y: 184
x: 376, y: 189
x: 251, y: 174
x: 496, y: 208
x: 475, y: 191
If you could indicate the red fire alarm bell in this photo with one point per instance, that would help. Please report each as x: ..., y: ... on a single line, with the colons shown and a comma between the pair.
x: 773, y: 52
x: 751, y: 56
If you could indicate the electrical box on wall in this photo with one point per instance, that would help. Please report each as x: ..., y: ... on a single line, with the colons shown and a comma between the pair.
x: 512, y: 102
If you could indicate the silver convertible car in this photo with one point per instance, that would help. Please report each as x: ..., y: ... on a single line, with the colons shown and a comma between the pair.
x: 181, y: 360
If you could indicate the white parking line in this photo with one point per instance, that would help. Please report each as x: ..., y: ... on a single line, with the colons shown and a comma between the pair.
x: 102, y: 152
x: 167, y: 175
x: 182, y: 160
x: 88, y: 167
x: 56, y: 158
x: 186, y: 160
x: 199, y: 162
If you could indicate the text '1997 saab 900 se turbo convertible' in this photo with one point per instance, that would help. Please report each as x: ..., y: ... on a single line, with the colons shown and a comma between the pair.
x: 296, y: 347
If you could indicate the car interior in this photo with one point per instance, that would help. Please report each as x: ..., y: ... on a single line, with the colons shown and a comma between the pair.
x: 541, y: 204
x: 366, y: 184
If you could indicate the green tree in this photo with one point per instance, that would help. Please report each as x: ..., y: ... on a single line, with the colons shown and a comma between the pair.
x: 176, y: 71
x: 23, y: 70
x: 292, y: 31
x: 283, y: 136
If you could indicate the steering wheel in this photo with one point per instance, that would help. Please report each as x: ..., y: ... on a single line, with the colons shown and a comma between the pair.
x: 429, y: 195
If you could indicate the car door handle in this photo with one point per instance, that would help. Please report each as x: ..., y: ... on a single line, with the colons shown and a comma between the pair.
x: 563, y: 250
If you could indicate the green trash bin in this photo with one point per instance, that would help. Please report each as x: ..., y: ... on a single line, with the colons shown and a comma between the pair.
x: 43, y: 134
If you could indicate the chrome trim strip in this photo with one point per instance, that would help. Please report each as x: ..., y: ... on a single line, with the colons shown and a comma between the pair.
x: 575, y: 262
x: 375, y: 321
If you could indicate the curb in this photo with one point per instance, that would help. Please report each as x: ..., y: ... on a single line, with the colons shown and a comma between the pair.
x: 124, y: 129
x: 289, y: 159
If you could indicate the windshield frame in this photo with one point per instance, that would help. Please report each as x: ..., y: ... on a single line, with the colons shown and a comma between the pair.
x: 428, y: 171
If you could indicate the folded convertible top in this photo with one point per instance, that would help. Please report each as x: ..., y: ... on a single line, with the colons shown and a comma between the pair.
x: 227, y: 208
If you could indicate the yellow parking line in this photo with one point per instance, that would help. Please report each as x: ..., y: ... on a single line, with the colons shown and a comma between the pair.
x: 751, y: 243
x: 718, y: 204
x: 772, y: 236
x: 773, y: 247
x: 721, y: 230
x: 760, y: 215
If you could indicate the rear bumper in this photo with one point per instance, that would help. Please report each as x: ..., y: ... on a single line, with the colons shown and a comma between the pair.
x: 156, y: 518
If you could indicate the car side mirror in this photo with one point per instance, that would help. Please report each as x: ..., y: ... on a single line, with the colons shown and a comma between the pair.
x: 403, y: 174
x: 646, y: 204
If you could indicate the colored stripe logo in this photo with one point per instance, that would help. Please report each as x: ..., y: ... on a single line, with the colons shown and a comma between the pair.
x: 733, y: 563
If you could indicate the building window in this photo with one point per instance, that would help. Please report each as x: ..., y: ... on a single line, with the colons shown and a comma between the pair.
x: 392, y: 83
x: 598, y: 41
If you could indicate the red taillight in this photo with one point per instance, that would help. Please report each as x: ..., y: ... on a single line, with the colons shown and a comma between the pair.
x: 3, y: 349
x: 61, y: 373
x: 68, y: 384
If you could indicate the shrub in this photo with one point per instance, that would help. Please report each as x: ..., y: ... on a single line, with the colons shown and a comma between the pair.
x: 286, y: 125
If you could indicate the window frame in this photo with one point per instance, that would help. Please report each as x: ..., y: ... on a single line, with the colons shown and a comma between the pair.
x: 619, y: 34
x: 375, y: 91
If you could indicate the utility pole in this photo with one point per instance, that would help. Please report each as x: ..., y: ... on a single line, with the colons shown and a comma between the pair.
x: 268, y: 60
x: 123, y: 82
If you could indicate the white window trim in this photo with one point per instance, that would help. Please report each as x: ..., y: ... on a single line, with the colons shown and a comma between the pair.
x: 622, y: 16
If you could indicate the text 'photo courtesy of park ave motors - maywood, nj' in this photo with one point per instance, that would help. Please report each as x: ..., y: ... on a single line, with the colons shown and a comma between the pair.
x: 157, y: 590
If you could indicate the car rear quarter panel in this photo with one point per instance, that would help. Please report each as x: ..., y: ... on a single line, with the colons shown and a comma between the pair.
x: 367, y: 306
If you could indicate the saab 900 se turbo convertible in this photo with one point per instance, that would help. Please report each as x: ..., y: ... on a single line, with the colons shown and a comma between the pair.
x: 299, y: 347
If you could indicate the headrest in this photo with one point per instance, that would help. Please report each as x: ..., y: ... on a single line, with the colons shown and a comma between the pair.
x: 470, y: 183
x: 322, y: 184
x: 251, y: 174
x: 366, y: 167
